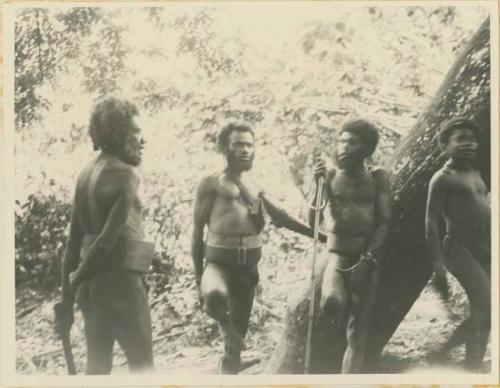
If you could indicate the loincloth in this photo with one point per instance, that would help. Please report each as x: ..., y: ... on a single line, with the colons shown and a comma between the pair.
x: 346, y: 244
x: 244, y: 251
x: 133, y: 255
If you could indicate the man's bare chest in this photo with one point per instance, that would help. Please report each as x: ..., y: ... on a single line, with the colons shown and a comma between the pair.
x: 229, y: 190
x: 468, y: 188
x: 355, y: 190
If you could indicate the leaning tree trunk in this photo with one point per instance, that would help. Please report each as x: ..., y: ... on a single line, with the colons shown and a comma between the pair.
x: 407, y: 268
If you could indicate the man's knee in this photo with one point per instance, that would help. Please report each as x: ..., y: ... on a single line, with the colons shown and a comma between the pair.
x: 333, y: 307
x: 216, y: 303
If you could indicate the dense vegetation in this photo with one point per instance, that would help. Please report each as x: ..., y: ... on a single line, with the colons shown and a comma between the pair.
x: 190, y: 69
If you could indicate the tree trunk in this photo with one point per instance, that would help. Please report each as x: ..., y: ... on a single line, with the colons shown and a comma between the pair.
x: 406, y: 268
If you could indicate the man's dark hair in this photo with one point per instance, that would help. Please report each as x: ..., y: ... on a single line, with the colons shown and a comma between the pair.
x: 109, y: 120
x: 367, y: 132
x: 225, y: 132
x: 447, y: 128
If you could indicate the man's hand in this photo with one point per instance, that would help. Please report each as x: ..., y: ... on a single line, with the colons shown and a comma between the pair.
x: 64, y: 317
x: 74, y: 282
x: 439, y: 281
x: 361, y: 273
x: 319, y: 169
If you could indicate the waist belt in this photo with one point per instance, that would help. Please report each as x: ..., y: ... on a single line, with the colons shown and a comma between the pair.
x: 343, y: 243
x: 134, y: 255
x: 221, y: 241
x: 241, y: 256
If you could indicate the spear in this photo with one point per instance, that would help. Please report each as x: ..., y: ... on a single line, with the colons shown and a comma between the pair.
x: 318, y: 207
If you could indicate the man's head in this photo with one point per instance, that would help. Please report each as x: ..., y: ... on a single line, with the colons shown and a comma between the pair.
x: 236, y: 142
x: 112, y: 128
x: 356, y: 140
x: 459, y: 138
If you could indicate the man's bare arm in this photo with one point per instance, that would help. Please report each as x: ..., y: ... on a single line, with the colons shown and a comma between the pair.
x: 202, y: 206
x: 105, y: 242
x: 433, y: 216
x: 382, y: 214
x: 72, y: 255
x: 281, y: 217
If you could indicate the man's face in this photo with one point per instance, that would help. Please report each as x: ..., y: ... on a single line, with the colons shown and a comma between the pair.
x: 462, y: 144
x: 350, y: 149
x: 132, y: 145
x: 240, y: 151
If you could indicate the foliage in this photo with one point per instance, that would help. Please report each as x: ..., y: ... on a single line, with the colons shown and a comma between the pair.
x: 41, y: 231
x: 293, y: 90
x: 190, y: 69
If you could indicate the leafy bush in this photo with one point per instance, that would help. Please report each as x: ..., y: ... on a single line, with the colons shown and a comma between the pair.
x: 41, y: 231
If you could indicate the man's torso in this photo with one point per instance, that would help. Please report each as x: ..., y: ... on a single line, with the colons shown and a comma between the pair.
x: 352, y: 203
x: 467, y: 209
x: 97, y: 190
x: 229, y: 214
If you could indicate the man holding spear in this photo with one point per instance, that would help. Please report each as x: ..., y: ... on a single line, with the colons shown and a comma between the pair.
x: 359, y: 203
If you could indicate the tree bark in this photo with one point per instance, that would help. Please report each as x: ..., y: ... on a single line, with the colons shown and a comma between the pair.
x: 407, y: 267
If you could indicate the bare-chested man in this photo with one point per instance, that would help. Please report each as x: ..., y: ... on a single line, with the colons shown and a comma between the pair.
x: 233, y: 243
x: 106, y: 256
x: 458, y: 195
x: 359, y: 203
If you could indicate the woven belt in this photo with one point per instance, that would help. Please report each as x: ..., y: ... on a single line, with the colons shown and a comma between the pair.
x: 222, y: 241
x: 134, y: 255
x: 241, y: 256
x: 343, y: 243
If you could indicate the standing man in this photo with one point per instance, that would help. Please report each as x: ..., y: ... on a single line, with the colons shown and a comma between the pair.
x: 458, y: 195
x: 359, y: 203
x: 106, y: 256
x: 232, y: 205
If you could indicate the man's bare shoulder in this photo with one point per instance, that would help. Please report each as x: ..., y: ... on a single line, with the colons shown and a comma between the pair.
x: 112, y: 172
x: 380, y: 173
x: 121, y: 173
x: 209, y: 182
x: 442, y: 177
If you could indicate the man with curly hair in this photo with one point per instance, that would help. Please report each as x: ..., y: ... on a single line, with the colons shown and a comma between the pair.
x: 106, y: 255
x: 359, y: 204
x: 232, y: 205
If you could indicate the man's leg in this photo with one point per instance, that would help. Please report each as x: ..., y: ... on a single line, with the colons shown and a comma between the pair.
x: 476, y: 284
x: 217, y: 304
x: 362, y: 300
x: 334, y: 295
x: 457, y: 338
x: 242, y: 295
x: 98, y: 335
x: 242, y: 288
x: 482, y: 254
x: 126, y: 305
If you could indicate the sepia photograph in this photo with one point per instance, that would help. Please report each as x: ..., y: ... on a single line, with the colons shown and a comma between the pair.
x: 269, y: 188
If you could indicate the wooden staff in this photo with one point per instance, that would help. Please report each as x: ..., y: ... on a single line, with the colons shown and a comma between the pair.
x: 317, y: 209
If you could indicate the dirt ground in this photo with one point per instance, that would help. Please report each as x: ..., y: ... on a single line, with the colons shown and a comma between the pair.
x: 426, y: 326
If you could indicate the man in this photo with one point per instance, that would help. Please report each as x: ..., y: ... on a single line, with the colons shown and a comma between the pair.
x: 359, y: 204
x: 106, y: 256
x: 458, y: 195
x: 232, y: 205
